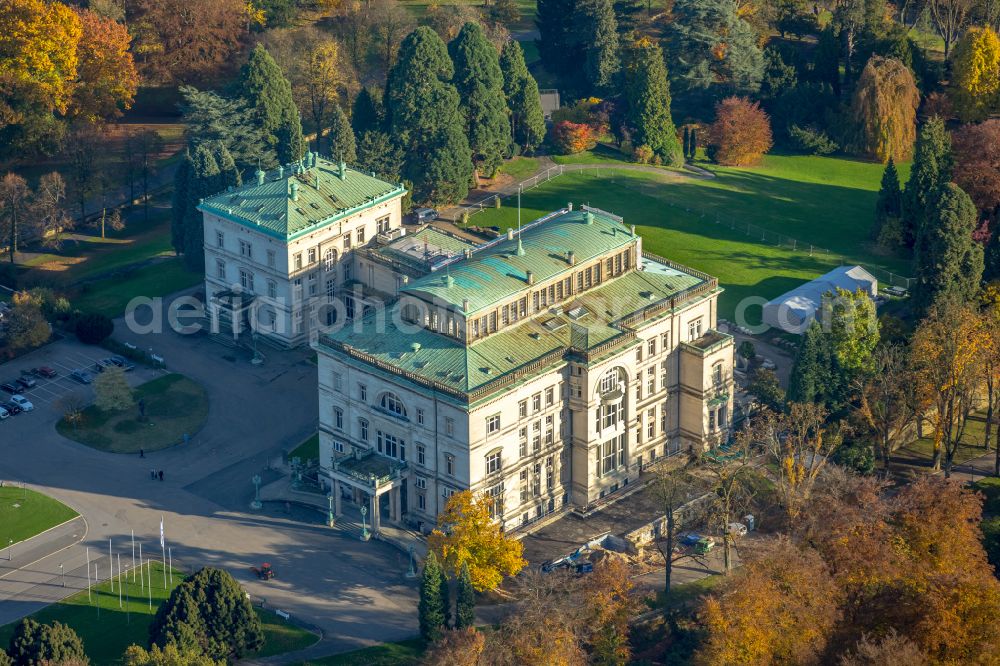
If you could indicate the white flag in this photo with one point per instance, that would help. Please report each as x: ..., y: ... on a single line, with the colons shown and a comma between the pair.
x: 161, y: 532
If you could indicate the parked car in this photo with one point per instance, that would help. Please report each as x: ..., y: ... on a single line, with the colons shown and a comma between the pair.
x: 10, y: 387
x: 122, y: 363
x: 12, y: 408
x: 22, y: 402
x: 425, y: 215
x: 737, y: 529
x: 26, y: 382
x: 4, y: 414
x: 691, y: 538
x: 45, y: 371
x: 81, y: 376
x: 99, y: 366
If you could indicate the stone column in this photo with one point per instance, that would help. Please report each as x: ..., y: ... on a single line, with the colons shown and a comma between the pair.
x: 396, y: 497
x: 373, y: 510
x: 337, y: 511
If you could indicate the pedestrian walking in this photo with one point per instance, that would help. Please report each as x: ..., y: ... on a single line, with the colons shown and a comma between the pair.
x: 142, y: 454
x: 161, y: 475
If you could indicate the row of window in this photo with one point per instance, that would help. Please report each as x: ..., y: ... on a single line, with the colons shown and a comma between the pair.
x: 391, y: 403
x: 537, y: 439
x: 536, y: 402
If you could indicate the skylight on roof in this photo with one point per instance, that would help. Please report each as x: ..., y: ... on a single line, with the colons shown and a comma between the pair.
x: 553, y: 324
x: 579, y: 312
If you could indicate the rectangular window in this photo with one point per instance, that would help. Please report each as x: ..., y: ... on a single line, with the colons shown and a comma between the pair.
x: 663, y: 376
x: 665, y: 342
x: 449, y: 426
x: 421, y: 501
x: 638, y: 355
x: 311, y: 256
x: 493, y: 424
x: 550, y: 396
x: 652, y: 347
x: 361, y: 235
x: 549, y: 476
x: 270, y: 258
x: 536, y: 402
x: 313, y: 286
x: 536, y: 437
x: 651, y: 423
x: 493, y: 463
x: 536, y: 485
x: 336, y: 382
x: 523, y: 478
x: 362, y: 392
x: 449, y: 464
x: 579, y: 281
x: 420, y: 482
x: 220, y: 269
x: 347, y: 241
x: 717, y: 374
x: 711, y: 420
x: 383, y: 224
x: 638, y: 390
x: 331, y: 288
x: 272, y: 289
x: 694, y: 329
x: 522, y: 409
x: 244, y: 248
x: 338, y: 418
x: 338, y: 447
x: 420, y: 416
x: 522, y: 438
x: 663, y: 419
x: 297, y: 261
x: 651, y: 380
x: 549, y: 430
x: 220, y: 239
x: 246, y: 280
x: 421, y: 454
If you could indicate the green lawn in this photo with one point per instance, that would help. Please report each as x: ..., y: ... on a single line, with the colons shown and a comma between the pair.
x: 685, y: 595
x: 108, y: 633
x: 175, y: 405
x: 307, y: 450
x: 25, y: 513
x: 111, y: 296
x: 971, y: 445
x: 601, y: 154
x: 403, y: 653
x: 825, y: 201
x: 520, y: 168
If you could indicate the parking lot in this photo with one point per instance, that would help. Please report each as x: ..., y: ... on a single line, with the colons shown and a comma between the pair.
x: 64, y: 357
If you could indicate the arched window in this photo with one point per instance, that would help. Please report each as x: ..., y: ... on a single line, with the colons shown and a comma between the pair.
x: 391, y: 403
x: 612, y: 381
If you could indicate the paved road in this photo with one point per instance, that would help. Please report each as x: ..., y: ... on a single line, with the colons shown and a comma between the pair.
x: 354, y: 592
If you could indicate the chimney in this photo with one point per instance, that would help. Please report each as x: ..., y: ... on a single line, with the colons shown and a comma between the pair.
x: 342, y: 170
x: 571, y: 257
x: 295, y: 191
x: 588, y: 217
x: 510, y: 234
x: 281, y: 172
x: 632, y: 228
x: 260, y: 176
x: 569, y: 206
x: 531, y: 277
x: 468, y: 253
x: 520, y: 246
x: 465, y: 305
x: 449, y: 281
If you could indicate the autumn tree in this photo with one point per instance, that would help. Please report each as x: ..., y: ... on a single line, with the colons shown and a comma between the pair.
x: 316, y: 70
x: 887, y: 402
x: 948, y: 262
x: 673, y: 488
x: 479, y: 83
x: 569, y: 138
x: 269, y: 94
x: 947, y: 350
x: 105, y: 67
x: 112, y: 392
x: 521, y: 90
x: 25, y: 327
x: 950, y: 17
x: 609, y: 605
x: 977, y: 164
x: 741, y: 133
x: 458, y: 647
x: 467, y: 535
x: 975, y: 79
x: 647, y: 93
x: 789, y: 585
x: 730, y: 479
x: 884, y: 109
x: 390, y: 22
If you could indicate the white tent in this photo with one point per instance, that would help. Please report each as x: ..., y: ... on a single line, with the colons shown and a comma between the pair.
x: 795, y: 310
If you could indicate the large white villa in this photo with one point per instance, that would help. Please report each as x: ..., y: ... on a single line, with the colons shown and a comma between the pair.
x: 545, y: 368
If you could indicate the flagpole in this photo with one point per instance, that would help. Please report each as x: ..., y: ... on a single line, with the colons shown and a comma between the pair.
x: 170, y: 565
x: 111, y: 560
x: 149, y: 584
x: 133, y: 555
x: 119, y: 580
x: 163, y: 552
x: 142, y: 576
x: 89, y: 599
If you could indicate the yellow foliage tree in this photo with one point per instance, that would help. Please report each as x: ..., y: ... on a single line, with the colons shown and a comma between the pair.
x: 107, y: 76
x: 885, y: 110
x: 975, y: 77
x: 467, y: 534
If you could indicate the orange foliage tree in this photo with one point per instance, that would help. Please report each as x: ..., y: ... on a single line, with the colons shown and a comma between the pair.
x: 570, y: 138
x: 741, y: 133
x: 107, y: 74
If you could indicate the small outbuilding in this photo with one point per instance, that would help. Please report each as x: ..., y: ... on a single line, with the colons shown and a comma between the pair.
x: 794, y: 311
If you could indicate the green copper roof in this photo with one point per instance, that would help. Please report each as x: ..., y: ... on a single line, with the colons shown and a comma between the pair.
x: 498, y: 272
x: 432, y: 357
x: 323, y: 197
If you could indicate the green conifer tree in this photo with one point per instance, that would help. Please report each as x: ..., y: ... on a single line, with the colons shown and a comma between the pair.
x: 811, y: 371
x: 693, y: 144
x: 465, y: 603
x: 933, y: 165
x: 367, y: 114
x: 205, y: 181
x: 521, y: 91
x: 229, y: 174
x: 889, y: 205
x: 558, y: 42
x: 479, y: 83
x: 34, y: 643
x: 181, y: 196
x: 648, y: 96
x: 433, y: 605
x: 425, y: 120
x: 266, y: 90
x: 948, y: 263
x: 597, y: 30
x: 341, y: 137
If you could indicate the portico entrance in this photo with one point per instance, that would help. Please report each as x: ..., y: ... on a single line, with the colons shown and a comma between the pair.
x: 372, y: 481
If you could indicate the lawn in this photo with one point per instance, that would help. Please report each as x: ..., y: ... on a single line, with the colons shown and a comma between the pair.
x: 307, y: 450
x: 600, y: 154
x: 970, y: 446
x: 403, y: 653
x: 828, y: 202
x: 685, y: 595
x: 25, y: 513
x: 520, y: 168
x: 112, y: 296
x: 175, y: 406
x: 107, y: 629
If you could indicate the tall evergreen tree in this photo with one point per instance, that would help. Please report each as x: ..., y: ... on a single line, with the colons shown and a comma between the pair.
x: 229, y: 174
x: 948, y: 263
x: 557, y: 39
x: 521, y: 91
x: 341, y: 137
x: 933, y: 165
x: 266, y: 90
x: 181, y: 198
x: 648, y: 96
x: 433, y: 605
x: 367, y: 114
x: 425, y: 120
x: 811, y: 371
x: 480, y: 86
x: 205, y: 180
x: 34, y: 643
x: 627, y: 15
x: 889, y: 205
x: 211, y: 118
x: 378, y: 154
x: 465, y: 603
x: 597, y: 32
x: 709, y: 43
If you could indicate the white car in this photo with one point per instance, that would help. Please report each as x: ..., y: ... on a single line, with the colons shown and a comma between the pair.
x: 4, y: 414
x: 737, y: 529
x: 22, y: 402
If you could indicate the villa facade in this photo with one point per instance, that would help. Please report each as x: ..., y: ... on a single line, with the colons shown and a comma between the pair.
x: 546, y: 368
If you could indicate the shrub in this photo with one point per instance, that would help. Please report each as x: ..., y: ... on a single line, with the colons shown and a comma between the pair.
x: 811, y: 140
x: 643, y: 154
x: 741, y: 133
x: 93, y: 328
x: 570, y: 138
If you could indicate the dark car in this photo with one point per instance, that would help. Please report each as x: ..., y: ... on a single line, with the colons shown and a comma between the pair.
x: 26, y: 382
x: 12, y: 408
x: 122, y: 363
x: 81, y: 376
x: 99, y: 366
x: 10, y: 387
x: 45, y: 371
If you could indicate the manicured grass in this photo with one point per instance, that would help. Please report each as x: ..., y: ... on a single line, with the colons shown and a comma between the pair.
x: 403, y: 653
x: 175, y: 406
x: 25, y: 513
x: 106, y: 635
x: 307, y: 450
x: 970, y: 446
x: 520, y: 168
x: 601, y: 154
x: 828, y: 202
x: 111, y: 296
